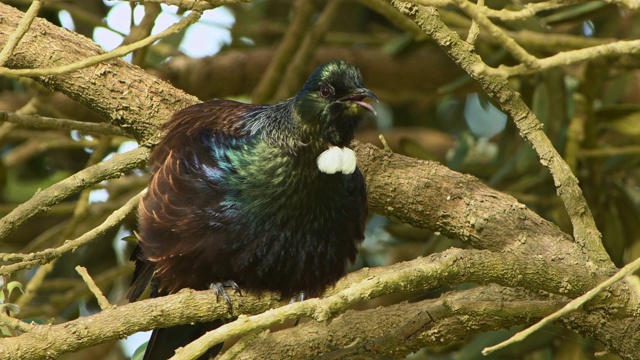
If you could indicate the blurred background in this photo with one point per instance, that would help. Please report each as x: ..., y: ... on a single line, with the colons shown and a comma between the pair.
x: 429, y: 109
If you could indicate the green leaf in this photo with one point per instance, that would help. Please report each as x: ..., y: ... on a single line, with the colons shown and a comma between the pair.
x: 11, y: 307
x: 139, y: 353
x: 4, y: 331
x: 628, y: 125
x: 13, y: 285
x: 131, y: 239
x: 574, y: 12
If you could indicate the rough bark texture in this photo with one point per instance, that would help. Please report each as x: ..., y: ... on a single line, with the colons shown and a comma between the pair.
x: 521, y: 249
x: 405, y: 327
x: 106, y: 88
x: 459, y: 206
x: 510, y: 101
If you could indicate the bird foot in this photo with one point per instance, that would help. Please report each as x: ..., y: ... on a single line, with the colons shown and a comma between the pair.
x: 299, y: 297
x: 219, y: 290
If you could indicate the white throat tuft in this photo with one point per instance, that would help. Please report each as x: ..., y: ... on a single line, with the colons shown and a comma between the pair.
x: 336, y: 159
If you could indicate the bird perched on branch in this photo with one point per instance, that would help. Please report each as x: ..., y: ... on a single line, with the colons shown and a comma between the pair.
x: 264, y: 197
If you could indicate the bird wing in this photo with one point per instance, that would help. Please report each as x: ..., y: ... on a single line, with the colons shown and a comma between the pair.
x: 223, y: 117
x: 185, y: 190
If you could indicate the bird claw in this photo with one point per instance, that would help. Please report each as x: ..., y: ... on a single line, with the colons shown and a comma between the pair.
x: 219, y: 290
x: 299, y: 297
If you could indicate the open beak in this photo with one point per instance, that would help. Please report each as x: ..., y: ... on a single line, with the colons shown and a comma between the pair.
x: 358, y: 95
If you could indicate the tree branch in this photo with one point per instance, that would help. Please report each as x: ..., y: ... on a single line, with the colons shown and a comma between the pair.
x: 447, y: 268
x: 22, y: 28
x: 573, y: 305
x: 118, y: 80
x: 403, y: 328
x: 286, y: 50
x: 52, y: 195
x: 584, y: 229
x: 101, y: 58
x: 43, y: 122
x: 535, y: 254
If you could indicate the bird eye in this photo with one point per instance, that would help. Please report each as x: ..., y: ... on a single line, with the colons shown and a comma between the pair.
x: 326, y: 90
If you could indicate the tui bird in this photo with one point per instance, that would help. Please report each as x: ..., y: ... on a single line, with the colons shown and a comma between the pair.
x: 264, y: 197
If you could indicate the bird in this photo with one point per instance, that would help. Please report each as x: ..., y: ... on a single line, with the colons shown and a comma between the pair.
x: 259, y: 197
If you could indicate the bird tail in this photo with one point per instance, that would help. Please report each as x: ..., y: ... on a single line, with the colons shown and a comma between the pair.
x: 164, y: 342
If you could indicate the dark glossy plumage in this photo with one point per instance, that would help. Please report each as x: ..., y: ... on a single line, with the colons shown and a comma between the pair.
x: 237, y: 193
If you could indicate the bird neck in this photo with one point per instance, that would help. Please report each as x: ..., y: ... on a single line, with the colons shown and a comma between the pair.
x: 281, y: 126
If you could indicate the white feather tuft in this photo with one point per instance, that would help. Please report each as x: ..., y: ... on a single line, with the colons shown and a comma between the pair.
x: 330, y: 161
x: 349, y: 161
x: 336, y: 159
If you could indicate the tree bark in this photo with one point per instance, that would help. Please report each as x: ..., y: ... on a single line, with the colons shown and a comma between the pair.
x: 524, y: 250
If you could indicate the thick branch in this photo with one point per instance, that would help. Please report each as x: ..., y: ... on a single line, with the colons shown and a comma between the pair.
x: 535, y: 254
x: 585, y: 231
x: 448, y: 268
x: 429, y: 195
x: 118, y: 79
x: 238, y: 71
x: 403, y: 328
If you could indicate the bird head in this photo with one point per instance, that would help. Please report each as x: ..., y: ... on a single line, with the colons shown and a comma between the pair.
x: 333, y: 98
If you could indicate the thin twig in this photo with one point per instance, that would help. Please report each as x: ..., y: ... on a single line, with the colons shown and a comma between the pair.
x: 43, y: 200
x: 474, y: 30
x: 527, y: 11
x: 294, y: 35
x: 193, y: 4
x: 574, y: 305
x: 60, y: 301
x: 23, y: 27
x: 142, y: 30
x: 296, y: 71
x: 585, y: 232
x: 42, y: 257
x: 102, y: 300
x: 35, y: 146
x: 121, y: 51
x: 385, y: 144
x: 622, y: 47
x: 496, y: 32
x: 43, y: 122
x: 31, y: 107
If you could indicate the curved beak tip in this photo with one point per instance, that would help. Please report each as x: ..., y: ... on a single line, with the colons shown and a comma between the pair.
x: 368, y: 93
x: 358, y: 97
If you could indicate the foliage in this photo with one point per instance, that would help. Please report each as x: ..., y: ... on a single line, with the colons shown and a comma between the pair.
x: 571, y: 65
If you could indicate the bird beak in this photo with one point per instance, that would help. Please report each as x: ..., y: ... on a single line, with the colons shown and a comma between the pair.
x: 358, y: 95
